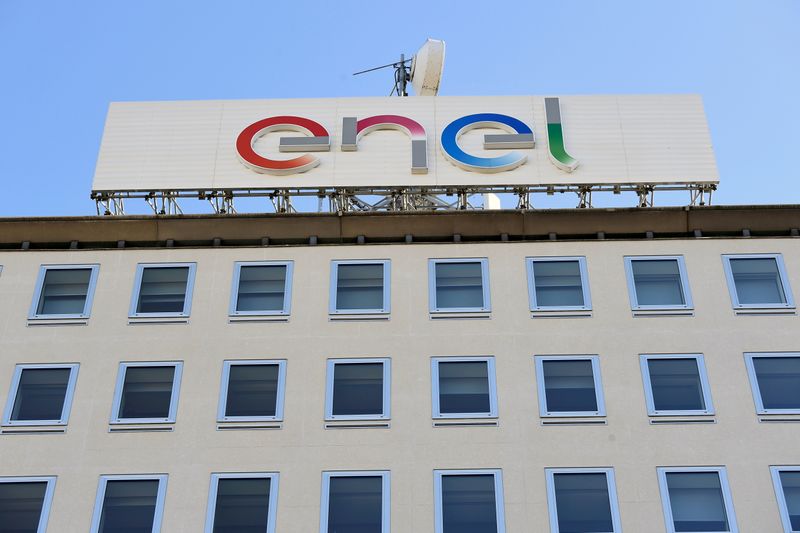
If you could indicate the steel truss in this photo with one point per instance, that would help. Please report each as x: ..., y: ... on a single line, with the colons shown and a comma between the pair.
x: 345, y: 200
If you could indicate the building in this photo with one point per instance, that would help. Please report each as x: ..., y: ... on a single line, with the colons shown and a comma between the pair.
x: 463, y: 371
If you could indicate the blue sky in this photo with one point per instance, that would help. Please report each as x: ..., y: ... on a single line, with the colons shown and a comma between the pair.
x: 63, y: 62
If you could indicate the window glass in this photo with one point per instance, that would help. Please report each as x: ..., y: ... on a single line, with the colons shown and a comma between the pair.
x: 252, y: 390
x: 129, y: 506
x: 147, y: 392
x: 242, y: 505
x: 469, y: 504
x: 359, y: 286
x: 790, y: 483
x: 355, y: 504
x: 757, y: 280
x: 582, y: 502
x: 558, y: 284
x: 464, y: 387
x: 358, y: 389
x: 697, y: 501
x: 459, y: 285
x: 163, y: 290
x: 21, y: 505
x: 569, y: 386
x: 41, y: 393
x: 64, y: 291
x: 261, y: 288
x: 676, y: 384
x: 657, y: 282
x: 778, y: 381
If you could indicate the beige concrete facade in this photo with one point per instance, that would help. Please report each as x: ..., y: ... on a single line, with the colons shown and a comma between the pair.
x: 411, y: 448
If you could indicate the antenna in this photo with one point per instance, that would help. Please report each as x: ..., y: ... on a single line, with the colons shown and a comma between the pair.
x: 424, y: 71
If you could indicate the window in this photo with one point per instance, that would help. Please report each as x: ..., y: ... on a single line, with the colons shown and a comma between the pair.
x: 558, y: 284
x: 40, y: 395
x: 146, y: 393
x: 358, y: 389
x: 469, y: 501
x: 696, y: 499
x: 360, y: 287
x: 676, y: 385
x: 261, y: 288
x: 775, y: 379
x: 459, y: 285
x: 787, y: 488
x: 129, y: 503
x: 163, y: 290
x: 25, y: 503
x: 569, y: 386
x: 658, y: 283
x: 252, y: 390
x: 464, y: 387
x: 355, y: 501
x: 758, y: 281
x: 239, y: 503
x: 582, y: 500
x: 64, y: 291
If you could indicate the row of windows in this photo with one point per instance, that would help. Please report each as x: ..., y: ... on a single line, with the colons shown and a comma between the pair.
x: 359, y: 287
x: 580, y: 500
x: 359, y: 389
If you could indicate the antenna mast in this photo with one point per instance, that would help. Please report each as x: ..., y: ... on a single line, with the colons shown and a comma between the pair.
x: 402, y: 75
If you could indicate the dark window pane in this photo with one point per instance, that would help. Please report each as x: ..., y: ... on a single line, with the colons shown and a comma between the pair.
x: 582, y: 503
x: 357, y: 389
x: 242, y: 505
x: 790, y: 481
x: 359, y: 287
x: 778, y: 381
x: 21, y: 506
x: 64, y: 291
x: 464, y: 387
x: 676, y: 385
x: 261, y: 288
x: 129, y: 506
x: 41, y: 394
x: 355, y: 504
x: 696, y: 501
x: 757, y: 281
x: 252, y: 390
x: 468, y: 504
x: 163, y: 290
x: 569, y: 386
x: 147, y: 392
x: 558, y: 284
x: 459, y: 285
x: 657, y: 282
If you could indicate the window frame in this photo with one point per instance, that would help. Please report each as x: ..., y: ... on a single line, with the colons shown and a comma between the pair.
x: 598, y: 386
x: 784, y: 279
x: 780, y: 495
x: 644, y: 361
x: 491, y: 376
x: 223, y: 396
x: 387, y: 388
x: 173, y: 405
x: 433, y: 307
x: 498, y: 494
x: 187, y: 296
x: 334, y: 286
x: 584, y: 273
x: 686, y: 290
x: 611, y: 484
x: 211, y: 509
x: 90, y: 289
x: 158, y: 515
x: 754, y: 387
x: 48, y: 495
x: 287, y: 289
x: 68, y: 395
x: 666, y: 505
x: 385, y: 476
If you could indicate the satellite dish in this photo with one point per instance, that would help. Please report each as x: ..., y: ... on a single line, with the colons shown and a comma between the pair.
x: 427, y: 67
